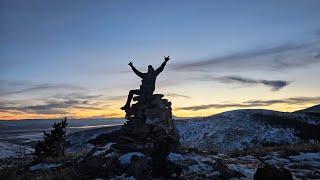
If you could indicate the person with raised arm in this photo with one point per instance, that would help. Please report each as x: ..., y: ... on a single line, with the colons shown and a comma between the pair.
x: 148, y: 81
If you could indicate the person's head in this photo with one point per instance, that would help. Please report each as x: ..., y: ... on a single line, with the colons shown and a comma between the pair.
x: 150, y: 69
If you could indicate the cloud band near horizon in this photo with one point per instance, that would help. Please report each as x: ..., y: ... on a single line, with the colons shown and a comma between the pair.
x: 253, y: 103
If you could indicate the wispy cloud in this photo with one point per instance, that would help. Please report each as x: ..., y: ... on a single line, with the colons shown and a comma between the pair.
x: 254, y: 103
x: 290, y: 55
x: 56, y: 105
x: 177, y: 95
x: 123, y: 97
x: 215, y: 106
x: 17, y: 87
x: 274, y: 84
x: 120, y: 97
x: 292, y: 100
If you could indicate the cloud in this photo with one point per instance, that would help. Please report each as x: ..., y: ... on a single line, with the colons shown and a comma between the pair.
x: 177, y: 95
x: 123, y: 97
x: 274, y: 84
x: 57, y: 99
x: 254, y: 103
x: 120, y: 97
x: 17, y: 87
x: 53, y: 106
x: 106, y: 115
x: 292, y: 100
x: 209, y: 106
x: 291, y: 55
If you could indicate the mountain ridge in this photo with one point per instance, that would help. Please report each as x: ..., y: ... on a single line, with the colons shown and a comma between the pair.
x: 312, y: 109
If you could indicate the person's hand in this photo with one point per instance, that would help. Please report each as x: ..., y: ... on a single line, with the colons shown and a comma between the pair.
x: 167, y: 58
x: 130, y: 63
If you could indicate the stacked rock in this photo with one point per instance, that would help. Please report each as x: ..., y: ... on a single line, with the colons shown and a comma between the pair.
x: 149, y: 123
x: 150, y: 130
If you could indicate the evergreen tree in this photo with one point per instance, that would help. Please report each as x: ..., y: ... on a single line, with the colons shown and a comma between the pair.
x: 53, y: 143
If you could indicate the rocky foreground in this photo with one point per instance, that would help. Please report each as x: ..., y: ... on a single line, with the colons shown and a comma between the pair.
x: 299, y: 161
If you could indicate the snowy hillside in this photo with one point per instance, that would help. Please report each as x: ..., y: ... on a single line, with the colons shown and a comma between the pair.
x: 247, y: 128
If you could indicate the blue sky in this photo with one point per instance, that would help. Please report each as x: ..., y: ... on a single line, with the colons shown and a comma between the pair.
x: 222, y: 52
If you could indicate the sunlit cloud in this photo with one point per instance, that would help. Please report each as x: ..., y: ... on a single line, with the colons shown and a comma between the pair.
x: 177, y: 95
x: 50, y: 107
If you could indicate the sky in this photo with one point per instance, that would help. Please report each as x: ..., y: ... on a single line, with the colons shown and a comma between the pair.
x: 70, y: 58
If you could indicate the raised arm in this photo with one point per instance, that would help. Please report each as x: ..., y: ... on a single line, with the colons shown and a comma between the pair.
x: 136, y: 71
x: 160, y: 69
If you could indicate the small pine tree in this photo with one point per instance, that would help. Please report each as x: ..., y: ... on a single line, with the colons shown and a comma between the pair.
x: 53, y: 143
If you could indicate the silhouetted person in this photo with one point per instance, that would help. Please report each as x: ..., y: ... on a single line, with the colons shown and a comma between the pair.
x: 148, y: 82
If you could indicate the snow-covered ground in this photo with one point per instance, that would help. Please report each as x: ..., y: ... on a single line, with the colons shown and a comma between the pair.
x: 238, y: 130
x: 8, y: 150
x: 304, y: 165
x: 43, y: 166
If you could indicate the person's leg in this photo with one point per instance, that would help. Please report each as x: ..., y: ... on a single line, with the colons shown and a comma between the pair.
x: 130, y: 96
x: 149, y: 92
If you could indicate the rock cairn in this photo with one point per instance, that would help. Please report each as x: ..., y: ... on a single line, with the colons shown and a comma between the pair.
x: 142, y: 145
x: 150, y: 124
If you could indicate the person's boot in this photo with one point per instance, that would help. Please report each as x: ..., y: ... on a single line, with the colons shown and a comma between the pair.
x: 125, y: 107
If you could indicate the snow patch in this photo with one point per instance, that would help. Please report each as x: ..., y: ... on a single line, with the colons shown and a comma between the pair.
x: 8, y: 150
x: 176, y: 157
x: 306, y: 157
x: 103, y: 149
x: 126, y: 158
x: 43, y: 166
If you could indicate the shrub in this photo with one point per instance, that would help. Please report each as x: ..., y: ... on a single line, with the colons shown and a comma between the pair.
x: 53, y: 143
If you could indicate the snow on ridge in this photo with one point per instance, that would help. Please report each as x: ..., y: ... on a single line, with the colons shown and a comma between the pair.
x: 126, y: 158
x: 233, y: 130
